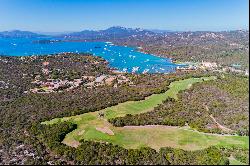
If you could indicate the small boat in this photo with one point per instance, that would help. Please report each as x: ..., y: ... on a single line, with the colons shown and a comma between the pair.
x: 124, y: 69
x: 145, y: 71
x: 135, y: 69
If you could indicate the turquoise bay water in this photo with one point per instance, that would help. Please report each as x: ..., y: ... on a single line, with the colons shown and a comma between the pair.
x: 123, y: 58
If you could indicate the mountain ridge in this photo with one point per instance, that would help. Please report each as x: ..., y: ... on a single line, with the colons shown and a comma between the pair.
x: 111, y: 32
x: 19, y: 33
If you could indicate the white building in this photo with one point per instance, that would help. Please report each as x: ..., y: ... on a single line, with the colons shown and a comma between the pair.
x: 209, y: 64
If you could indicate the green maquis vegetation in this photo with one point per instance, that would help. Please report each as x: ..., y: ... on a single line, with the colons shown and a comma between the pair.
x: 224, y: 48
x: 218, y: 106
x: 140, y: 137
x: 142, y: 99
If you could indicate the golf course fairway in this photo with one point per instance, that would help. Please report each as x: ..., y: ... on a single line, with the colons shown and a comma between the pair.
x: 90, y: 126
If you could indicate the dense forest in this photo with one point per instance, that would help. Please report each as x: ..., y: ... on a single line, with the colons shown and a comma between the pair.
x: 223, y: 101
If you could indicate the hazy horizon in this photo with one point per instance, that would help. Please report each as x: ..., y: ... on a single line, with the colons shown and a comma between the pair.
x: 152, y: 29
x: 77, y: 15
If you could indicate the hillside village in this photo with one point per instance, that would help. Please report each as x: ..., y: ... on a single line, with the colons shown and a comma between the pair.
x: 68, y: 71
x: 58, y: 85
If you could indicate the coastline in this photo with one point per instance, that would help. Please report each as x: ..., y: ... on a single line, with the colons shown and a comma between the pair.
x: 107, y: 50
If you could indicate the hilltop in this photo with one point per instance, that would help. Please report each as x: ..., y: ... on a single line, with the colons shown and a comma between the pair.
x: 108, y: 34
x: 223, y: 47
x: 19, y: 33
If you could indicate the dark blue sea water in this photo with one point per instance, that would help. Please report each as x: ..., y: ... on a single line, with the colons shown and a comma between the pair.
x: 123, y: 58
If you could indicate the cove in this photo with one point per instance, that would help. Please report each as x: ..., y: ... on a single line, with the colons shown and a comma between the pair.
x: 125, y: 59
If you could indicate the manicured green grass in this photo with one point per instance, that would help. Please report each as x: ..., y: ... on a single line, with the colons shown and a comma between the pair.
x: 158, y: 136
x: 154, y: 137
x: 136, y: 107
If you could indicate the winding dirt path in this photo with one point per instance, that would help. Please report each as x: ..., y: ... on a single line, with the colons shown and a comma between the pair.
x: 220, y: 126
x: 223, y: 128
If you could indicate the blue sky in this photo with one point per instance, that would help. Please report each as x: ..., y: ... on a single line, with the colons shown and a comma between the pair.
x: 76, y: 15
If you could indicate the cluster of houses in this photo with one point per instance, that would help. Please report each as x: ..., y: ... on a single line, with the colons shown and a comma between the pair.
x: 108, y: 80
x: 189, y: 66
x: 233, y: 69
x: 58, y: 85
x: 52, y: 85
x: 212, y: 66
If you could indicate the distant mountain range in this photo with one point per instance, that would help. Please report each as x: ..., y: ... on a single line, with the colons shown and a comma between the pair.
x: 112, y: 32
x: 88, y: 34
x: 115, y: 32
x: 18, y: 33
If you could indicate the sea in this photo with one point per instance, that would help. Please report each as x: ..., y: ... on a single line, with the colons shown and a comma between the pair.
x: 122, y: 58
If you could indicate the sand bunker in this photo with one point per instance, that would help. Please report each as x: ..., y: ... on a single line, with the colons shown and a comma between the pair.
x: 105, y: 130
